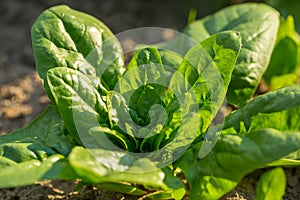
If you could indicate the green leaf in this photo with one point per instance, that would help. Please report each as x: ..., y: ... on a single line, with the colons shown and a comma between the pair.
x: 30, y: 154
x: 283, y: 162
x: 119, y: 114
x: 99, y: 165
x: 207, y: 70
x: 138, y: 108
x: 291, y: 160
x: 104, y: 166
x: 197, y: 91
x: 41, y: 138
x: 171, y: 61
x: 284, y: 65
x: 32, y: 171
x: 271, y: 185
x: 6, y: 162
x: 109, y: 139
x: 143, y: 99
x: 63, y: 37
x: 257, y: 24
x: 78, y: 102
x: 232, y: 158
x: 145, y: 68
x: 278, y: 109
x: 145, y: 56
x: 286, y: 29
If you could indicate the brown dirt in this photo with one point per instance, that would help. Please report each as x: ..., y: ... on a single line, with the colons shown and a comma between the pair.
x: 22, y: 97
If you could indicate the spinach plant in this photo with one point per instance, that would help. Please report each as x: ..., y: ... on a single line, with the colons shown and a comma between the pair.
x: 138, y: 129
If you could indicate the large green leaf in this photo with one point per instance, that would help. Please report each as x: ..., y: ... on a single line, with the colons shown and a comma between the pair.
x: 207, y: 70
x: 78, y: 102
x: 257, y: 24
x: 278, y: 109
x: 102, y: 166
x: 232, y: 158
x: 271, y: 185
x: 63, y: 37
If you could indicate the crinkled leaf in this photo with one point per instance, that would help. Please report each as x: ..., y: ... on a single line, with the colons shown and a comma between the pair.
x: 138, y: 109
x: 63, y: 37
x: 233, y: 157
x: 119, y: 114
x: 206, y: 72
x: 278, y: 109
x: 145, y: 68
x: 198, y: 90
x: 271, y: 185
x: 257, y: 24
x: 78, y: 102
x: 146, y: 56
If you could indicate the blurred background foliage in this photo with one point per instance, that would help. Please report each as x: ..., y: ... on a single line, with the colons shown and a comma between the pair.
x: 121, y: 15
x: 286, y: 8
x: 17, y: 17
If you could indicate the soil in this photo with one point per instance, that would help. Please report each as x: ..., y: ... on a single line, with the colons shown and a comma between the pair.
x: 22, y: 97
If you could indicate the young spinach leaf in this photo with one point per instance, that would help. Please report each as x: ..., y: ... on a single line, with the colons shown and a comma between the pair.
x: 271, y: 185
